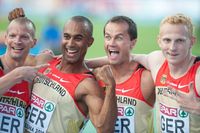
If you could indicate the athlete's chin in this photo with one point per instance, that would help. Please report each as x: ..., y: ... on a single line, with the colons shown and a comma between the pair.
x: 71, y: 60
x: 173, y: 61
x: 18, y: 56
x: 113, y: 63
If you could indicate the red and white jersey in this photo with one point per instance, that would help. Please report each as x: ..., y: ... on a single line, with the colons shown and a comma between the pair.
x: 53, y: 107
x: 13, y: 105
x: 170, y: 117
x: 134, y: 113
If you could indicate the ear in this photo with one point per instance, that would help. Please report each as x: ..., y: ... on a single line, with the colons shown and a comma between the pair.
x: 193, y: 41
x: 91, y: 40
x: 4, y: 37
x: 34, y: 42
x: 133, y: 42
x: 159, y: 41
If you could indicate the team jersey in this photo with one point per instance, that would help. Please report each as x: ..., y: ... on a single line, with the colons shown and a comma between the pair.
x: 134, y: 113
x: 13, y: 106
x: 170, y: 117
x: 53, y: 107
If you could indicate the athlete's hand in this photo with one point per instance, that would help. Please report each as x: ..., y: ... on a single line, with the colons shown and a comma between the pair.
x: 16, y: 13
x: 105, y: 74
x: 187, y: 101
x: 28, y: 73
x: 48, y: 51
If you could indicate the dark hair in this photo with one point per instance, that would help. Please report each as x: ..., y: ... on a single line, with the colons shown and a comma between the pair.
x: 86, y: 21
x: 132, y: 27
x: 27, y: 22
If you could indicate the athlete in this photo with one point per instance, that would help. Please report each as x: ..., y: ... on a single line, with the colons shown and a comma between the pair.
x: 174, y: 67
x: 31, y: 60
x: 70, y: 94
x: 134, y: 85
x: 15, y: 78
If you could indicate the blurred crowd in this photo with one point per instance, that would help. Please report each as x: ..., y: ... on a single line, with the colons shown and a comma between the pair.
x: 51, y: 13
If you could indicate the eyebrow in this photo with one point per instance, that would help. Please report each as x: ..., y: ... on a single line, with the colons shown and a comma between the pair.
x: 79, y: 35
x: 119, y: 34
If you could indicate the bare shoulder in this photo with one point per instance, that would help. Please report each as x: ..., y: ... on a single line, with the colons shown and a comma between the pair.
x: 155, y: 61
x: 43, y: 58
x: 88, y: 86
x: 31, y: 60
x: 197, y: 79
x: 146, y: 78
x: 156, y: 57
x: 147, y: 85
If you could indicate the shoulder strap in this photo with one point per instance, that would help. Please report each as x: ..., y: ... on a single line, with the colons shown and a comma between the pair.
x: 1, y: 65
x: 197, y: 59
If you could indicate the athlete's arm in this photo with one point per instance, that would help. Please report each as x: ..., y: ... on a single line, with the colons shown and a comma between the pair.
x: 152, y: 61
x: 102, y: 109
x: 96, y: 62
x: 148, y: 88
x: 26, y: 73
x: 42, y: 58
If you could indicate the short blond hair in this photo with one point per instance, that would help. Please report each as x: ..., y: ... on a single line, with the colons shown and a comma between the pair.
x: 179, y: 19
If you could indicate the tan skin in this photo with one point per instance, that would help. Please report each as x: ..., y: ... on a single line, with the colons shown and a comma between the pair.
x: 19, y: 35
x: 117, y: 39
x: 19, y: 40
x: 101, y: 108
x: 89, y: 95
x: 175, y: 43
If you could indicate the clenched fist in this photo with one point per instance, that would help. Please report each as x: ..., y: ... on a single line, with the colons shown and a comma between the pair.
x: 105, y: 74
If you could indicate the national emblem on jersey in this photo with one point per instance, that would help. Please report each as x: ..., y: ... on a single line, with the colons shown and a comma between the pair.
x: 163, y: 79
x: 47, y: 71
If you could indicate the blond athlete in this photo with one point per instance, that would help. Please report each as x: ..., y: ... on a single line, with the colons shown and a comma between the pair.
x: 175, y: 67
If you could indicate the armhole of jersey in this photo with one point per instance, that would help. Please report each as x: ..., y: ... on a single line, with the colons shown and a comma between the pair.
x: 197, y: 59
x: 140, y: 66
x: 89, y: 72
x: 1, y: 65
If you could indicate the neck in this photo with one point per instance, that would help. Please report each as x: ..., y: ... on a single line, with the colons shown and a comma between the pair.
x: 66, y: 67
x: 11, y: 63
x: 123, y: 71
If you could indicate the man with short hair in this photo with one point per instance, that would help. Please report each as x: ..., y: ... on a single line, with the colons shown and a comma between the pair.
x: 71, y: 93
x: 15, y: 77
x: 134, y: 84
x: 175, y: 67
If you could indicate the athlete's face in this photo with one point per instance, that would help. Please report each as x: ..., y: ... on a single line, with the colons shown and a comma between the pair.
x: 175, y: 42
x: 117, y: 43
x: 19, y: 40
x: 75, y: 42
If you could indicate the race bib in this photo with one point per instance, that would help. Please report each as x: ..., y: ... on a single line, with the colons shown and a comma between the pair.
x: 39, y: 114
x: 11, y: 118
x: 173, y: 120
x: 125, y: 120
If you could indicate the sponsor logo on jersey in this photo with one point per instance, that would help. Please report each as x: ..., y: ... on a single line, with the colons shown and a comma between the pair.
x: 124, y: 90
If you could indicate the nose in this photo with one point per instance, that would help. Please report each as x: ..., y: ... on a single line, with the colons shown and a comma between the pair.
x: 17, y: 40
x: 112, y: 42
x: 172, y: 45
x: 70, y: 42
